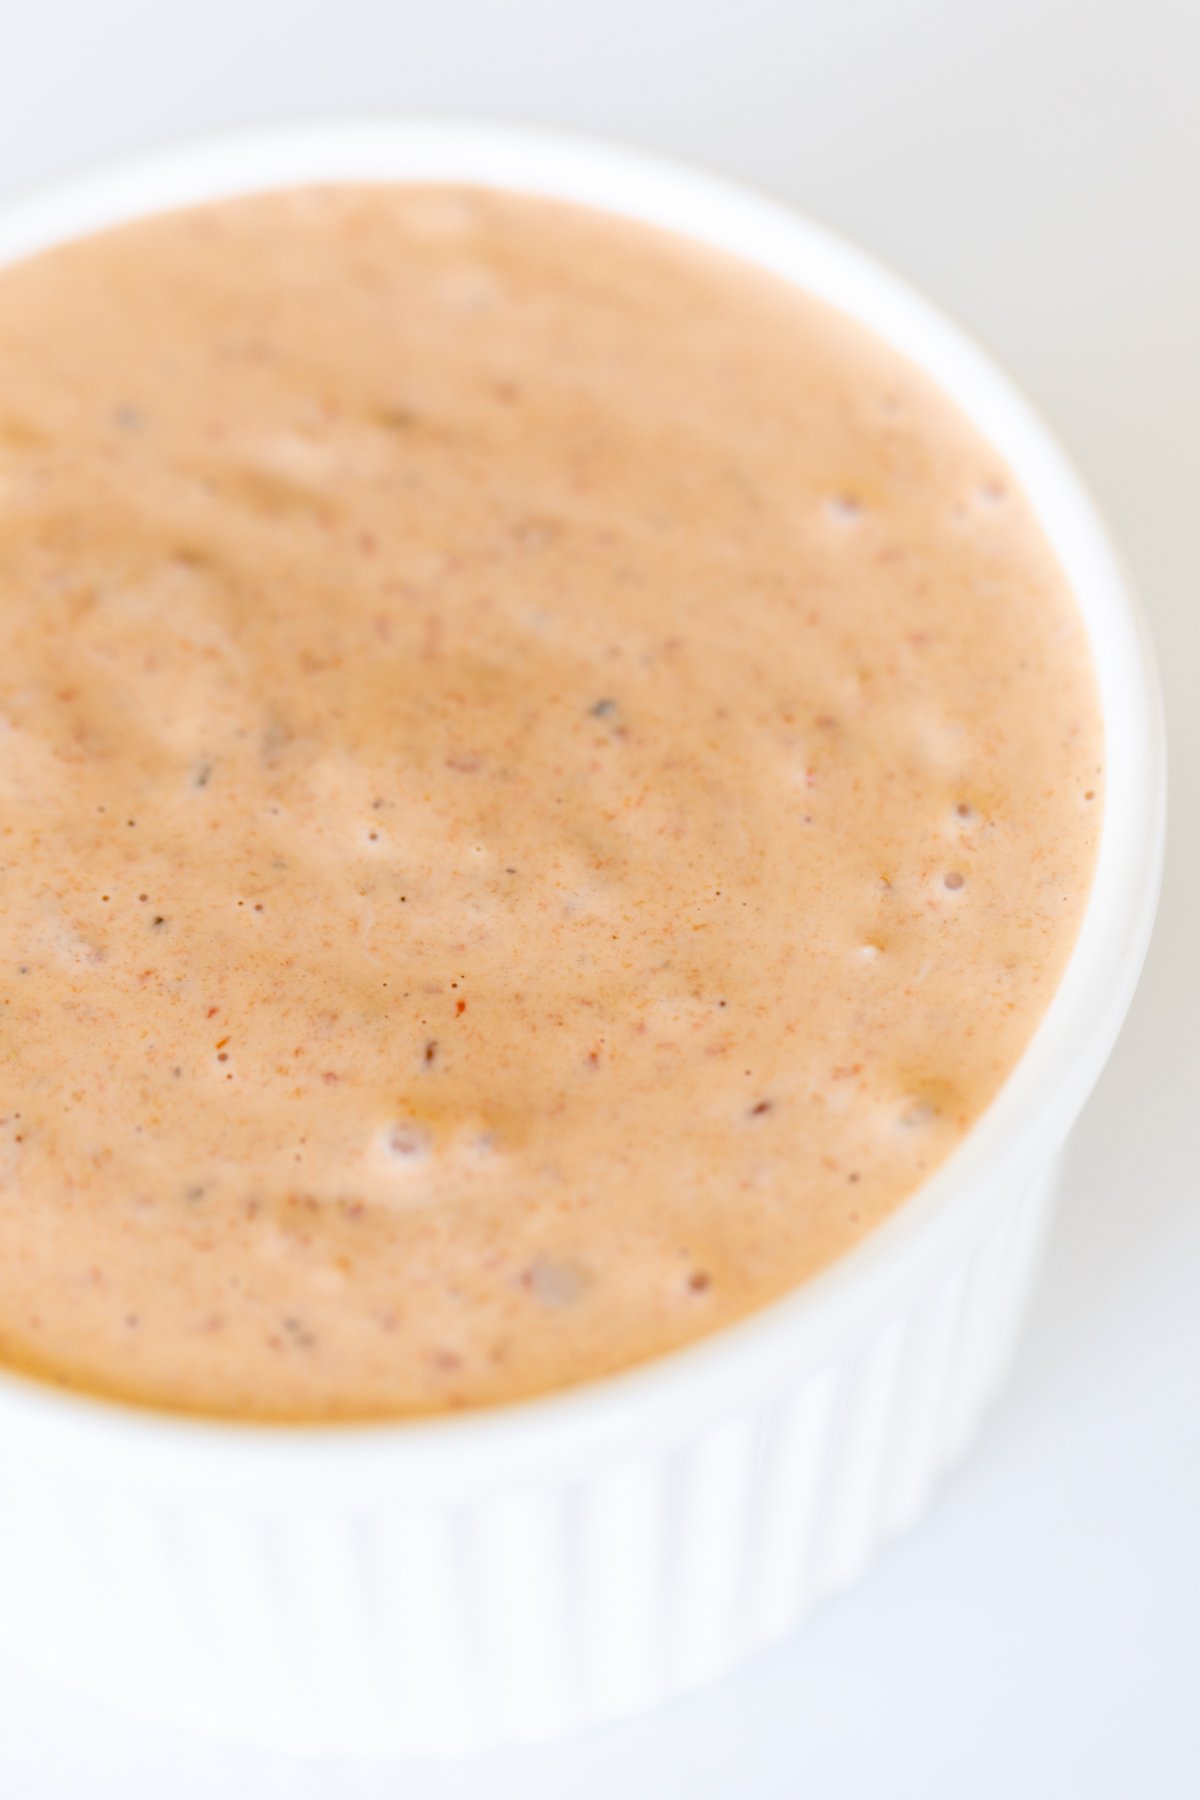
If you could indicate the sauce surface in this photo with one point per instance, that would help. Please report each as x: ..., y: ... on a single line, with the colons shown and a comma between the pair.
x: 546, y: 779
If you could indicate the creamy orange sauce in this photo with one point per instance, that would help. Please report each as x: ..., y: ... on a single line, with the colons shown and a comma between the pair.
x: 546, y: 780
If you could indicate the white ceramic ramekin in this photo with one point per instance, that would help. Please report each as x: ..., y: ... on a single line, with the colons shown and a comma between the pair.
x: 451, y: 1584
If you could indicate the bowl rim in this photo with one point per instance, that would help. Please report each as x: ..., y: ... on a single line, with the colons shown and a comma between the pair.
x: 1026, y: 1122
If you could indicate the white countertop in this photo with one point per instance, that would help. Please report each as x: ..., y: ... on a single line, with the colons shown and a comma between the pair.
x: 1036, y: 165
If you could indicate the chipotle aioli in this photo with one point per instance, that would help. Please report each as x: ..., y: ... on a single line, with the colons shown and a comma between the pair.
x: 546, y: 779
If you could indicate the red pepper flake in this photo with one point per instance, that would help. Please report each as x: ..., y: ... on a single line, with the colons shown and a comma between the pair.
x: 430, y: 1051
x: 221, y: 1042
x: 460, y: 1008
x: 212, y: 1012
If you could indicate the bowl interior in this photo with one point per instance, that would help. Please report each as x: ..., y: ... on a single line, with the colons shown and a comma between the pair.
x: 1027, y: 1121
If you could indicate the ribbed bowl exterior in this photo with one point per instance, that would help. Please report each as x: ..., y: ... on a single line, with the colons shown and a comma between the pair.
x: 535, y: 1606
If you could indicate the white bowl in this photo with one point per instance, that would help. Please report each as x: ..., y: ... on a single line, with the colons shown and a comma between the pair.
x: 464, y: 1581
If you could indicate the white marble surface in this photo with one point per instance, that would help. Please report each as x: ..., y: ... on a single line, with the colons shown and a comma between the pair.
x: 1036, y: 165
